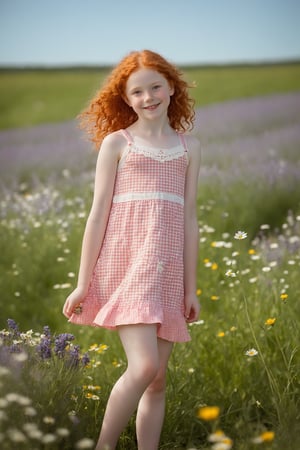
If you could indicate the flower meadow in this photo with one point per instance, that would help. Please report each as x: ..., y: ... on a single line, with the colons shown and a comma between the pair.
x: 236, y: 384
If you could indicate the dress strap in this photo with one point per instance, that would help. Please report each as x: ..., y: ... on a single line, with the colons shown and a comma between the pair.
x: 127, y: 136
x: 183, y: 142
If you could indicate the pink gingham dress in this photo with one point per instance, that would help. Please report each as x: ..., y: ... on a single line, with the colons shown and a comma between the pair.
x: 138, y: 277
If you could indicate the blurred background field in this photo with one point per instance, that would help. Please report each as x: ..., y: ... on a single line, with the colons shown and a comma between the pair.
x: 30, y: 97
x: 244, y: 353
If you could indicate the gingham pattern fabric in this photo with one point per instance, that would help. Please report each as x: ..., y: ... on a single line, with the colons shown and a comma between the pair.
x: 138, y: 277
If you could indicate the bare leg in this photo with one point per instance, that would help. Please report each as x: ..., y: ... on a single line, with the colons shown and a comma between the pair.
x: 151, y: 408
x: 140, y: 345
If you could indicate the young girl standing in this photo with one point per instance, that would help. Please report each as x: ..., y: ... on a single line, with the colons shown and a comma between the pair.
x: 139, y: 253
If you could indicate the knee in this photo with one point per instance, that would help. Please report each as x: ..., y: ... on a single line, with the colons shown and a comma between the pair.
x: 158, y: 384
x: 146, y: 372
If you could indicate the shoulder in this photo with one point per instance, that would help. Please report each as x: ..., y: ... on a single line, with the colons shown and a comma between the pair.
x: 113, y: 143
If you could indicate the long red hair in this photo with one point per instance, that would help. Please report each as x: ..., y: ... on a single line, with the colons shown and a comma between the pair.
x: 108, y: 111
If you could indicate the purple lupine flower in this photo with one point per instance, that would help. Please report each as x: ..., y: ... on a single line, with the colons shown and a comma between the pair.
x: 85, y: 359
x: 47, y: 331
x: 13, y: 327
x: 74, y: 355
x: 44, y: 348
x: 61, y: 342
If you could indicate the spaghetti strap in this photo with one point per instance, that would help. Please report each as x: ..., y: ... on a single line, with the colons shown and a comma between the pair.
x: 127, y: 136
x: 183, y: 142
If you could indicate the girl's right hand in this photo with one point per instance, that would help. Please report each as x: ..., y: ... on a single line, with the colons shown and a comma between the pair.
x: 74, y: 301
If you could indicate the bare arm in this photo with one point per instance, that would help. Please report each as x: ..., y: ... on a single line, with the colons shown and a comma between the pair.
x: 191, y: 231
x: 106, y: 169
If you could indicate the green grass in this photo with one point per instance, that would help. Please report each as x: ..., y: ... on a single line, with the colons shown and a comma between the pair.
x: 39, y: 254
x: 30, y: 97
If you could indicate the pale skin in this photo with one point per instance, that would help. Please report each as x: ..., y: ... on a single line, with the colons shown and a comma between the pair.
x: 142, y: 386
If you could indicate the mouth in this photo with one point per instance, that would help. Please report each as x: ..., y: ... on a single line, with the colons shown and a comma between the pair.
x: 151, y: 107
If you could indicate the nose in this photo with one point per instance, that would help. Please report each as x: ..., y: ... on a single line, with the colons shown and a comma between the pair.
x: 147, y: 96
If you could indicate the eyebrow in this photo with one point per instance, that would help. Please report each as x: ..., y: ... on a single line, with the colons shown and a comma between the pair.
x: 139, y: 87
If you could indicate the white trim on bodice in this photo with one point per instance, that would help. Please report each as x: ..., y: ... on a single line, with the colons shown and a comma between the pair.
x: 158, y: 154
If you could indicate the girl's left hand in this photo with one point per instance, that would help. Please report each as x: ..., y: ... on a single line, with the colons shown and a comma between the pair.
x: 192, y: 308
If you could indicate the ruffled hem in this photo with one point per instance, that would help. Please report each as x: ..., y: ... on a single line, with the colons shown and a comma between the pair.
x: 173, y: 330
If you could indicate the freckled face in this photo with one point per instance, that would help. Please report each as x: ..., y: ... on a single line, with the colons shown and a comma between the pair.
x: 148, y: 93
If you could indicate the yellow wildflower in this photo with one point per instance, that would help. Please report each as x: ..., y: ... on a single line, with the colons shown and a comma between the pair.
x: 208, y: 413
x: 214, y: 297
x: 270, y: 321
x: 283, y: 296
x: 266, y: 436
x: 198, y: 292
x: 221, y: 334
x: 214, y: 266
x: 251, y: 251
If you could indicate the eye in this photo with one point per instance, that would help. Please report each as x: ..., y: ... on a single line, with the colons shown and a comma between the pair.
x: 156, y: 86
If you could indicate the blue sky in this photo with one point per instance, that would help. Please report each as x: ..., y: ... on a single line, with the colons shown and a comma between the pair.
x: 67, y: 32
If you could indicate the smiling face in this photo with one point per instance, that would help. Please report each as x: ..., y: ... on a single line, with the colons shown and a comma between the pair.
x: 148, y: 93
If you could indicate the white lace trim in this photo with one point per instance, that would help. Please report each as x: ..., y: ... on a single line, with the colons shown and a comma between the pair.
x: 133, y: 196
x: 159, y: 154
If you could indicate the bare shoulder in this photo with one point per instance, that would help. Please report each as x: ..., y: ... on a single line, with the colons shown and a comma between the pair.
x: 113, y: 143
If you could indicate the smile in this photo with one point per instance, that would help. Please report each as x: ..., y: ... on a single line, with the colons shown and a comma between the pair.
x: 151, y: 107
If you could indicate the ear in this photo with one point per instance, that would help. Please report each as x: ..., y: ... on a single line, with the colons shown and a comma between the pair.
x: 172, y: 90
x: 125, y: 99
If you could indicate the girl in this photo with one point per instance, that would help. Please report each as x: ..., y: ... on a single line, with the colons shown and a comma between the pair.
x: 139, y: 253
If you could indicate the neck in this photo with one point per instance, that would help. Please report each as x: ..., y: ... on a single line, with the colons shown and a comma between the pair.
x: 152, y: 128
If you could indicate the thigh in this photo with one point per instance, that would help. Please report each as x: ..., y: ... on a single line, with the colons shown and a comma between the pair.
x: 140, y: 343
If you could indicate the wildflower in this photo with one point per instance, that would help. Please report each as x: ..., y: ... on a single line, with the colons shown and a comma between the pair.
x: 13, y: 327
x: 16, y: 435
x: 198, y: 292
x: 266, y: 269
x: 230, y: 273
x: 62, y: 432
x: 253, y: 280
x: 251, y: 352
x: 265, y: 226
x: 44, y: 347
x: 214, y: 266
x: 217, y: 436
x: 214, y: 298
x: 85, y: 359
x: 61, y: 342
x: 240, y: 235
x: 226, y: 444
x: 47, y: 331
x: 74, y: 355
x: 270, y: 321
x: 221, y: 334
x: 48, y: 438
x: 208, y: 413
x: 84, y: 443
x: 49, y: 420
x: 30, y: 411
x: 266, y: 436
x: 283, y: 296
x: 251, y: 251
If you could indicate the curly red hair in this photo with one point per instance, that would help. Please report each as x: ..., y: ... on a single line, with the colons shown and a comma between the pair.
x: 108, y: 111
